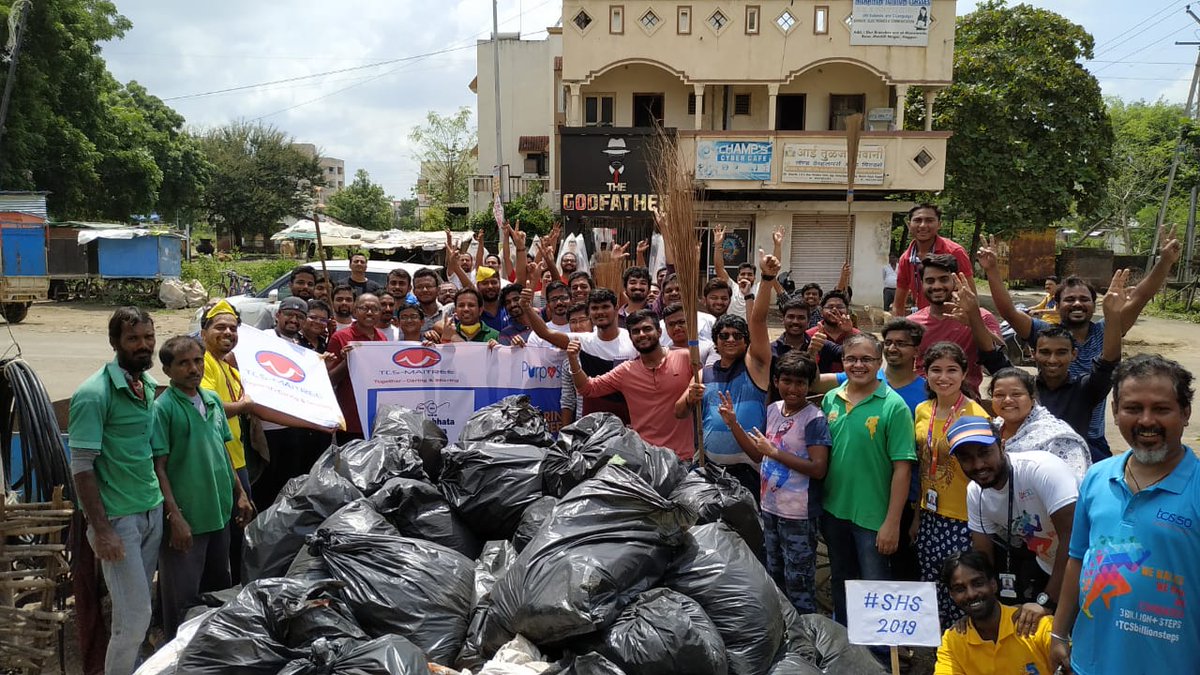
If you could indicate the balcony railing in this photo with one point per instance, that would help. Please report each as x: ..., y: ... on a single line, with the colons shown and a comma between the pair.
x: 481, y: 189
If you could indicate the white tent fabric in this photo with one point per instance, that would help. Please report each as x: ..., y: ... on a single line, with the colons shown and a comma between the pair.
x: 344, y: 235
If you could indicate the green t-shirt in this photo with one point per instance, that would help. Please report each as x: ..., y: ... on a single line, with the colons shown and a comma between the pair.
x: 109, y: 420
x: 197, y: 464
x: 867, y: 438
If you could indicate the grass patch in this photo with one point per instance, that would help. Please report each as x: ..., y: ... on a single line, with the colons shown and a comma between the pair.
x: 209, y: 272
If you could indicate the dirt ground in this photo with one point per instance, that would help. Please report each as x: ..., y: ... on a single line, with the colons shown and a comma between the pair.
x: 67, y: 342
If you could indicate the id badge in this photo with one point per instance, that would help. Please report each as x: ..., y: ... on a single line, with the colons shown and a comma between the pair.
x: 1008, y: 586
x: 931, y: 500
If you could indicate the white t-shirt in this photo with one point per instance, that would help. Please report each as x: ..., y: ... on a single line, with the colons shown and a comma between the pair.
x: 889, y: 276
x: 704, y: 326
x: 737, y: 301
x: 1042, y: 484
x: 617, y: 350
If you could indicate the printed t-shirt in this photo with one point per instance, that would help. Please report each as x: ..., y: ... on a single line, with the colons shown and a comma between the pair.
x: 1139, y: 554
x: 939, y: 471
x: 749, y: 404
x: 867, y: 437
x: 1042, y: 484
x: 787, y: 493
x: 197, y: 462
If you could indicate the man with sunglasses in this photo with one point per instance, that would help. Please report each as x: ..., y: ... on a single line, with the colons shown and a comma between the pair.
x: 742, y: 372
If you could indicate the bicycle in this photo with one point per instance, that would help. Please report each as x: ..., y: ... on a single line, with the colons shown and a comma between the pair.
x: 237, y: 284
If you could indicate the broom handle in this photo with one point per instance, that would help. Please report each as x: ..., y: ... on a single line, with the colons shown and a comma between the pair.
x: 696, y: 416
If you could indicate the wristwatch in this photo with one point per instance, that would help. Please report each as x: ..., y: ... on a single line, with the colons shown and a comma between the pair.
x: 748, y: 296
x: 1044, y: 600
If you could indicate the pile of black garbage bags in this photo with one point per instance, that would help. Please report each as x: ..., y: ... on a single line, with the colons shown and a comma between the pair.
x: 402, y: 554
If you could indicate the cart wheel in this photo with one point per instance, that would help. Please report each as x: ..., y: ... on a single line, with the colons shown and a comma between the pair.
x: 15, y: 312
x: 59, y: 290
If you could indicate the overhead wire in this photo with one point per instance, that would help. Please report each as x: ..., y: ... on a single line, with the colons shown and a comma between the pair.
x: 1116, y: 40
x: 1143, y: 48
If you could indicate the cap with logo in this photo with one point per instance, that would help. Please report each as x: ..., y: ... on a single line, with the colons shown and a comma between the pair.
x: 294, y: 303
x: 970, y: 430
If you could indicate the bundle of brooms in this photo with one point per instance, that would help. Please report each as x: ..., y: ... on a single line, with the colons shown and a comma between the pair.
x: 676, y: 221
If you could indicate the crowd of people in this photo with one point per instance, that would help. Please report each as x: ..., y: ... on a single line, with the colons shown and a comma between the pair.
x: 1046, y: 549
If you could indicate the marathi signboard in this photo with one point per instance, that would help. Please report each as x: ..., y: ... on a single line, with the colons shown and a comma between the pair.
x: 286, y: 377
x: 893, y: 23
x: 604, y: 172
x: 826, y: 163
x: 733, y: 159
x: 450, y: 382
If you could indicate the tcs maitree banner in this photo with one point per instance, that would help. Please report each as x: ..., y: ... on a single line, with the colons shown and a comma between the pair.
x: 286, y: 377
x: 450, y: 382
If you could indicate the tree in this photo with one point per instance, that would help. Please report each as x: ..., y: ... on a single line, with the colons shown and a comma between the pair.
x: 362, y: 204
x: 526, y: 209
x: 444, y: 150
x: 257, y: 178
x: 1032, y: 138
x: 405, y: 214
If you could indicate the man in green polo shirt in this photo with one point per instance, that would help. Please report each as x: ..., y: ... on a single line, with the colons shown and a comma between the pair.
x: 198, y: 484
x: 114, y: 477
x: 869, y: 469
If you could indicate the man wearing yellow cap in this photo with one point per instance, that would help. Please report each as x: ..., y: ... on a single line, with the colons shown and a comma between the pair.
x: 219, y: 332
x: 492, y: 311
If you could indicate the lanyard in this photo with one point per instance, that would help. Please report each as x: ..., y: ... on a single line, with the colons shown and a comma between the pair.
x: 1008, y: 537
x: 933, y: 451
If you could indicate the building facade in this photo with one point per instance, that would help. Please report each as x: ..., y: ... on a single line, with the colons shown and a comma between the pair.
x: 332, y: 168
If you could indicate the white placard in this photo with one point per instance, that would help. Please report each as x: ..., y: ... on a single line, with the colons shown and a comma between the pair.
x: 286, y: 377
x: 895, y: 23
x: 825, y: 162
x: 893, y: 613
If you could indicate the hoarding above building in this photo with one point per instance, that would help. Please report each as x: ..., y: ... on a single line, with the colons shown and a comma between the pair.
x: 893, y: 23
x: 605, y: 172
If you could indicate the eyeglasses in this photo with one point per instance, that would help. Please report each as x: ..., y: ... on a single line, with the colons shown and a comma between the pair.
x: 897, y: 343
x: 730, y: 337
x: 865, y: 360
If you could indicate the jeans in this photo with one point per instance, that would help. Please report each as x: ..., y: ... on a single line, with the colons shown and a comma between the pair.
x: 184, y: 575
x: 792, y: 558
x: 128, y: 581
x: 852, y: 555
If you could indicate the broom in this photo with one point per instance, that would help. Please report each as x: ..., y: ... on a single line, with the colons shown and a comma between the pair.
x: 676, y: 221
x: 853, y: 132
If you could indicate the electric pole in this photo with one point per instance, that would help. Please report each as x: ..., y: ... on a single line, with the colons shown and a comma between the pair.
x: 496, y: 77
x: 16, y: 34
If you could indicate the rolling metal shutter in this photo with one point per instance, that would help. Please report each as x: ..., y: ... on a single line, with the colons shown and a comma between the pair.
x: 818, y: 249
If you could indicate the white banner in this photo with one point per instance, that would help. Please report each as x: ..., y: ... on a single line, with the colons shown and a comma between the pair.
x: 286, y: 377
x: 893, y: 613
x: 826, y: 163
x: 894, y: 23
x: 450, y: 382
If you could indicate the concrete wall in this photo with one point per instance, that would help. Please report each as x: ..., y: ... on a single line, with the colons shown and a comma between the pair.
x: 527, y: 93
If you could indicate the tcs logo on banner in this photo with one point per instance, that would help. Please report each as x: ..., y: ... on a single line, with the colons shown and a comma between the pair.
x: 280, y: 366
x: 417, y: 357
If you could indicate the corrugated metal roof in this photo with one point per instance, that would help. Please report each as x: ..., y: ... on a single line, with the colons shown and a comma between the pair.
x: 33, y: 203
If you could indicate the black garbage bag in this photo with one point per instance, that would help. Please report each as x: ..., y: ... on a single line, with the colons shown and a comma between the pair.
x: 370, y: 463
x: 268, y: 624
x: 497, y: 556
x: 590, y: 664
x: 825, y: 644
x: 273, y: 538
x: 794, y: 664
x: 791, y: 659
x: 358, y: 516
x: 716, y: 569
x: 607, y: 541
x: 585, y: 446
x: 716, y: 496
x: 512, y: 419
x: 418, y: 510
x: 663, y: 633
x: 387, y: 655
x: 491, y: 484
x: 531, y: 521
x: 409, y: 587
x: 422, y: 434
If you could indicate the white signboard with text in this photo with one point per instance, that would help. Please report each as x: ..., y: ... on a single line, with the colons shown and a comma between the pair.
x: 893, y: 23
x: 733, y: 159
x: 893, y: 613
x: 826, y: 163
x: 286, y: 377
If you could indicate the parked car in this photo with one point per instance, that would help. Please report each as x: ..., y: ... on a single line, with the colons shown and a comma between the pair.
x: 258, y: 310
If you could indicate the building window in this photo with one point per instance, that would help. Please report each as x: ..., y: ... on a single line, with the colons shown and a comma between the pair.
x: 785, y: 21
x: 820, y: 20
x: 598, y: 110
x: 616, y: 19
x: 741, y: 104
x: 535, y: 163
x: 650, y: 20
x: 692, y: 104
x: 683, y: 20
x: 582, y: 20
x: 923, y: 158
x: 842, y: 106
x: 647, y: 110
x: 718, y: 21
x: 752, y: 12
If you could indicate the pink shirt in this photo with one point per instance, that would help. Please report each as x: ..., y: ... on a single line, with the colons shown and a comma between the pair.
x: 907, y: 270
x: 948, y: 330
x: 651, y: 395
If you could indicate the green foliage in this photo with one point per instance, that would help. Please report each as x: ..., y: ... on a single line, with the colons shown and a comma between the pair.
x: 362, y: 204
x: 444, y: 147
x: 437, y: 218
x: 257, y: 178
x: 1032, y: 139
x: 209, y: 271
x: 527, y: 210
x: 405, y: 215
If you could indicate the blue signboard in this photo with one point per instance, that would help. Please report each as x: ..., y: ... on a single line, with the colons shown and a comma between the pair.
x: 733, y: 159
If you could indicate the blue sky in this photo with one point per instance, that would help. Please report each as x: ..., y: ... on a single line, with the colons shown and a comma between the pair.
x: 183, y: 51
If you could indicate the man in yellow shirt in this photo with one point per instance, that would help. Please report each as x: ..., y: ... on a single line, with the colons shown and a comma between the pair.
x: 992, y: 644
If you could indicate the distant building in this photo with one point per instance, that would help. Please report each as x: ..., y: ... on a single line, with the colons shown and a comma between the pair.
x: 332, y: 168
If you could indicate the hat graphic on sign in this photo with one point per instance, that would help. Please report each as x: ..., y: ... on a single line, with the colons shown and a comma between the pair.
x: 616, y: 150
